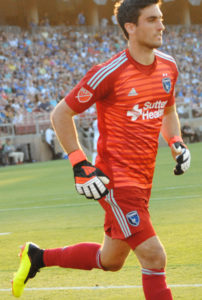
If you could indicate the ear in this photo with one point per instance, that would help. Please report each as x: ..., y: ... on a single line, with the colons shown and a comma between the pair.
x: 130, y: 28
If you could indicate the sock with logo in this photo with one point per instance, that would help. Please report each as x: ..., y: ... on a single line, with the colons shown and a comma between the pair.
x: 154, y: 285
x: 84, y: 256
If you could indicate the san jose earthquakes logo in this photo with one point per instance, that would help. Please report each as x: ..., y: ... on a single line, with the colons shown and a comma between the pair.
x: 166, y: 84
x: 133, y: 218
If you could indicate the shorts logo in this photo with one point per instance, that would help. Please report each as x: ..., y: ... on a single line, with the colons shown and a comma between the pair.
x: 166, y: 84
x: 84, y: 95
x: 133, y: 218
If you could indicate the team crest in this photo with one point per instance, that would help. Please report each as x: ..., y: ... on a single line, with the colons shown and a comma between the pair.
x: 133, y: 218
x: 84, y: 95
x: 166, y: 84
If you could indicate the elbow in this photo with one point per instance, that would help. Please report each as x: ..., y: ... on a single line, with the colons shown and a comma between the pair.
x: 60, y: 114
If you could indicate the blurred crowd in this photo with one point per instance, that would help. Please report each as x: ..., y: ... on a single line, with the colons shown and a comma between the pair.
x: 38, y: 68
x: 184, y: 44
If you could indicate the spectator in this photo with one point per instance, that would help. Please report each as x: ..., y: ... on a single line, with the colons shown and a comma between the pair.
x: 104, y: 22
x: 114, y: 20
x: 189, y: 133
x: 10, y: 153
x: 2, y: 155
x: 81, y: 19
x: 49, y: 138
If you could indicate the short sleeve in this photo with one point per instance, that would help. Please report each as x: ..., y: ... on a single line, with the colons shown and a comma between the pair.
x: 85, y: 94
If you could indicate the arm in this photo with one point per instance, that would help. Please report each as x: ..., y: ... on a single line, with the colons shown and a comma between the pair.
x: 171, y: 132
x: 89, y: 180
x: 171, y: 126
x: 63, y: 123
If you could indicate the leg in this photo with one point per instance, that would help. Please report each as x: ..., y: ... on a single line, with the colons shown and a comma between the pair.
x: 14, y: 156
x: 152, y: 257
x: 85, y: 256
x: 113, y: 254
x: 21, y: 157
x: 151, y: 254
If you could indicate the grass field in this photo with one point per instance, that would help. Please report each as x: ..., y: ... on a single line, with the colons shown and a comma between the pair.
x: 38, y: 203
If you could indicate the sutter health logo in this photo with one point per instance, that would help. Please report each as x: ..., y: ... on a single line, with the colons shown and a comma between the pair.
x: 150, y: 110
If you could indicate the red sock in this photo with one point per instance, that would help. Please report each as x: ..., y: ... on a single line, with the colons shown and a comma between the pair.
x: 85, y: 256
x: 154, y: 285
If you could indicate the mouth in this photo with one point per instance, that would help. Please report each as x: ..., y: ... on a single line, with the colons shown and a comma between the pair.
x: 159, y: 36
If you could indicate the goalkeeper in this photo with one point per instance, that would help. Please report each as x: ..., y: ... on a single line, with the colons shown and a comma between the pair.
x: 134, y: 95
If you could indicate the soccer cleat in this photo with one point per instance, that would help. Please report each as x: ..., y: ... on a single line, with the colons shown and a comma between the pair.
x: 30, y: 263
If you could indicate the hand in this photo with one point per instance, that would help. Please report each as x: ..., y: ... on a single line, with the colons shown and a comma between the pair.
x: 90, y: 181
x: 182, y: 157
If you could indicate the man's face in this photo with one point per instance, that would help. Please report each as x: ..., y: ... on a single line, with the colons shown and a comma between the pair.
x: 149, y: 29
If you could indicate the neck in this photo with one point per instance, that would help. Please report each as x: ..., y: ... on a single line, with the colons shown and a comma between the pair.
x: 142, y: 55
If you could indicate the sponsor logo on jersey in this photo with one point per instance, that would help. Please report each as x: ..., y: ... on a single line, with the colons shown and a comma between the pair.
x: 150, y: 110
x: 135, y: 113
x: 133, y: 218
x: 84, y: 95
x: 132, y: 93
x: 166, y: 84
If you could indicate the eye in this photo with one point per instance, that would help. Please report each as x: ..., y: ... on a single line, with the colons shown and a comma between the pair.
x: 151, y: 19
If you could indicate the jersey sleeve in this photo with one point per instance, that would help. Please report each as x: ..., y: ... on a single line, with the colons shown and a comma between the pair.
x: 87, y: 91
x: 171, y: 100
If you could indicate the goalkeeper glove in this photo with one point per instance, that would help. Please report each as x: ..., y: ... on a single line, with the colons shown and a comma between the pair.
x: 89, y: 180
x: 183, y: 158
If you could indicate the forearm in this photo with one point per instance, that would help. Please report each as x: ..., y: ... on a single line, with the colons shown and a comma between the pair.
x: 62, y: 121
x: 171, y: 125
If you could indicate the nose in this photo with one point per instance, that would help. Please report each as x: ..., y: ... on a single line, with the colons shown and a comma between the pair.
x: 161, y: 27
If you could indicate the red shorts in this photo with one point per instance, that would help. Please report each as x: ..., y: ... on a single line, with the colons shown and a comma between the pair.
x: 127, y: 216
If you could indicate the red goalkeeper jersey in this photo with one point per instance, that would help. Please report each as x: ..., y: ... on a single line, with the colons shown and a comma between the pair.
x: 130, y: 100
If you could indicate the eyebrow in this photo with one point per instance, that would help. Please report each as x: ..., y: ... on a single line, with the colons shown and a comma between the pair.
x: 154, y: 17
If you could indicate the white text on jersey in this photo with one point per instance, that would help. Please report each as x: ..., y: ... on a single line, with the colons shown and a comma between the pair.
x: 150, y: 110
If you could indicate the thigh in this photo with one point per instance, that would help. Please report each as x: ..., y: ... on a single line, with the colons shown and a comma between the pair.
x: 151, y: 253
x: 113, y: 253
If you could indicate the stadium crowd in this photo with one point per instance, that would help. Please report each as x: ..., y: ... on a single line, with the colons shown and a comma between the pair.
x: 40, y: 67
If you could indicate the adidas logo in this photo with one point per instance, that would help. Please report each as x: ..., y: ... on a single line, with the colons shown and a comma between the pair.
x: 88, y: 170
x: 132, y: 92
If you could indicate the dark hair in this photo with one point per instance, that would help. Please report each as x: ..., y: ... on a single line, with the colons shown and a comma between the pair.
x: 129, y: 11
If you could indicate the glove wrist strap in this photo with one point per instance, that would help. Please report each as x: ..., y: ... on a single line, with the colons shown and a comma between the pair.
x: 174, y: 140
x: 76, y: 157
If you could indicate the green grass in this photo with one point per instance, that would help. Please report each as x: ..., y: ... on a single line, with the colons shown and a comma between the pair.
x: 38, y: 203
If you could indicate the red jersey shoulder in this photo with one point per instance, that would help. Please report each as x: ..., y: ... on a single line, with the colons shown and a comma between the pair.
x: 96, y: 84
x: 169, y: 69
x: 104, y: 70
x: 167, y: 59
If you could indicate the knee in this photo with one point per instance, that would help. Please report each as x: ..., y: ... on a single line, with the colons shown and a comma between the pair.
x: 112, y: 267
x: 154, y: 259
x: 112, y: 264
x: 159, y: 260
